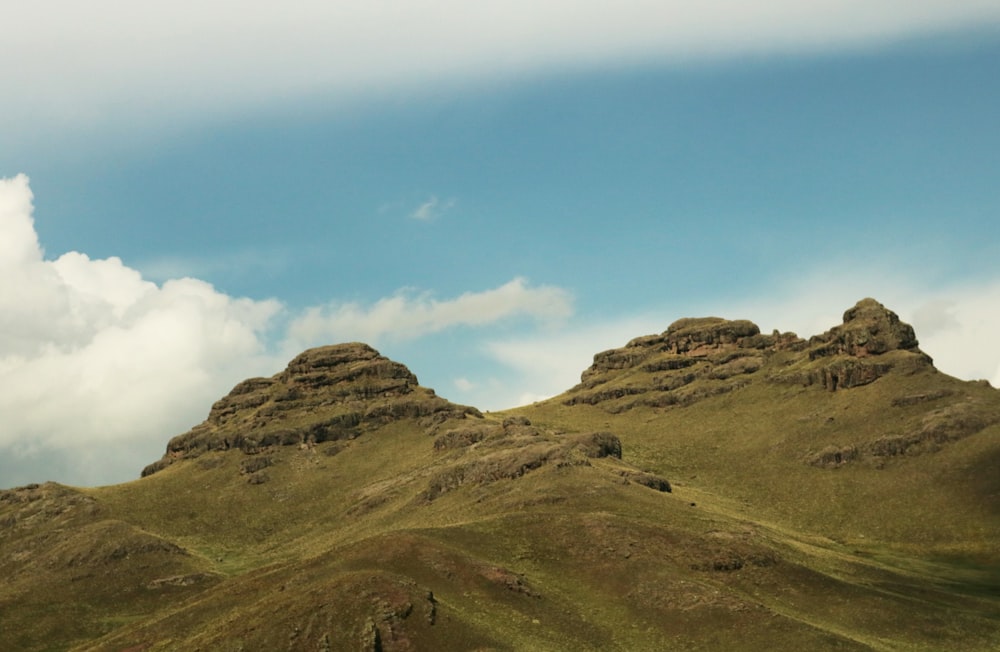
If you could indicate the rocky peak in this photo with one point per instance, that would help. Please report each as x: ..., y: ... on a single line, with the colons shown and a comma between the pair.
x: 327, y: 393
x: 698, y: 336
x: 691, y: 360
x: 696, y: 358
x: 344, y: 363
x: 869, y: 328
x: 685, y: 342
x: 356, y: 368
x: 869, y: 343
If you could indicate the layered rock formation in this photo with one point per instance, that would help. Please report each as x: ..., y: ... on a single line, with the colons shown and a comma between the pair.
x: 333, y: 394
x: 869, y: 329
x: 515, y: 447
x: 327, y: 393
x: 697, y: 358
x: 692, y: 359
x: 870, y: 342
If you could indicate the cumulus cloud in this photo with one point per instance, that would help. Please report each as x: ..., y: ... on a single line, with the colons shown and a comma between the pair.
x: 81, y: 63
x: 97, y: 364
x: 407, y: 316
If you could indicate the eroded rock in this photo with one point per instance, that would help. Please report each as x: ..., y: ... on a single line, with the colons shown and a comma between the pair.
x: 345, y: 389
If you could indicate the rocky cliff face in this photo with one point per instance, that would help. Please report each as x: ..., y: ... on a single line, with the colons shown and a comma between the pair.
x: 870, y: 342
x: 328, y: 393
x: 869, y: 329
x: 697, y: 358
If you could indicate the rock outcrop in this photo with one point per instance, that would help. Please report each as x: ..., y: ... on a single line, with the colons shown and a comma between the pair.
x: 870, y: 342
x: 958, y: 419
x: 702, y: 357
x: 869, y: 329
x: 335, y: 393
x: 693, y: 359
x: 325, y: 394
x: 515, y: 447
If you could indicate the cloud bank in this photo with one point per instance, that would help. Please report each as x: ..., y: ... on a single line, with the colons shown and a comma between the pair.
x: 79, y: 64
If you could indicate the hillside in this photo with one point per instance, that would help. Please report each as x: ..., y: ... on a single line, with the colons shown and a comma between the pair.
x: 710, y: 487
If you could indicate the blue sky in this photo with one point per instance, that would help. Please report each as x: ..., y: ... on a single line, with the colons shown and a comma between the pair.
x: 488, y: 197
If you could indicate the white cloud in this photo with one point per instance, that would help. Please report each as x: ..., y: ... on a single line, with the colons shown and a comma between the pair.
x: 406, y: 316
x: 432, y: 209
x: 99, y: 62
x: 463, y: 384
x: 963, y: 340
x: 20, y: 243
x: 94, y: 358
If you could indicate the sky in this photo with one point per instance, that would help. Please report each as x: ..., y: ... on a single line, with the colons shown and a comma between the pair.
x: 191, y: 194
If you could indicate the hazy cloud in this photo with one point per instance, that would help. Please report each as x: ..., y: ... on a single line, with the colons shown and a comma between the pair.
x: 102, y: 61
x: 407, y: 316
x: 257, y: 260
x: 432, y: 209
x: 963, y: 340
x: 935, y: 316
x: 463, y: 384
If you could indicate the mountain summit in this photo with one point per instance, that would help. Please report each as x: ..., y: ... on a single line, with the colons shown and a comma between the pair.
x: 698, y: 358
x: 869, y: 328
x: 332, y: 393
x: 709, y: 487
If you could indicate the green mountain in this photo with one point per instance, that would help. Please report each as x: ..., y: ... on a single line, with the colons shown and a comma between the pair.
x: 707, y: 488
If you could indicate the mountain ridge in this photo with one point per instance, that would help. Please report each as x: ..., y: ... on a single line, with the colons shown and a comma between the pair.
x: 709, y: 487
x: 343, y: 387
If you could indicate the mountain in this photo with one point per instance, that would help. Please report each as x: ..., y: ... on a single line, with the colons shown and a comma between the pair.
x: 711, y: 487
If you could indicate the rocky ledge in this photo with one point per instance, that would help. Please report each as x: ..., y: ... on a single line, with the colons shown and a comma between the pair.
x: 701, y: 357
x: 328, y: 393
x: 869, y: 343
